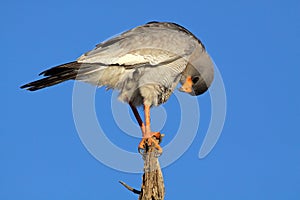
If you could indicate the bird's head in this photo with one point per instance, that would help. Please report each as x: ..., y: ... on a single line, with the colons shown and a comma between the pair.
x: 198, y: 74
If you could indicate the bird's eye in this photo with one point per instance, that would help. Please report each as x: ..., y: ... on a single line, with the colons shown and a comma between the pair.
x: 195, y: 79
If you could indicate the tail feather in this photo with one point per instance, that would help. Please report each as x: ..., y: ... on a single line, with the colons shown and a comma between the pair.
x: 62, y: 73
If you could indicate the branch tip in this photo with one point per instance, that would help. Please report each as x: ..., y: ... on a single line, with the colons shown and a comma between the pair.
x: 130, y: 188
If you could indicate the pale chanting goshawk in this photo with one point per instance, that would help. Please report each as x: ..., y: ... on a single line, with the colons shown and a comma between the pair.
x: 144, y: 64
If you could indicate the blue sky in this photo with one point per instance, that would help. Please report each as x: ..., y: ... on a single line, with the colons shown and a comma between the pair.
x: 255, y: 45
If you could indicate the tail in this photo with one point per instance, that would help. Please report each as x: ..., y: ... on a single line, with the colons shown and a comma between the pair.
x: 61, y: 73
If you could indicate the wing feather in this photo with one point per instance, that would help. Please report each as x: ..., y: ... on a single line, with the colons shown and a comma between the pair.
x: 152, y: 43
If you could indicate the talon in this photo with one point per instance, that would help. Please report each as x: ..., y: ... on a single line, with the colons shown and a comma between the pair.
x: 142, y: 144
x: 157, y: 135
x: 156, y: 145
x: 148, y: 142
x: 141, y: 151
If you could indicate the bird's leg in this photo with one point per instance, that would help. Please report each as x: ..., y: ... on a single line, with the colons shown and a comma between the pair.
x: 148, y: 134
x: 138, y: 118
x: 146, y: 130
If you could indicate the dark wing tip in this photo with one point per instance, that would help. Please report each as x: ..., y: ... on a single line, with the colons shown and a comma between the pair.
x: 29, y: 87
x: 26, y: 86
x: 54, y: 76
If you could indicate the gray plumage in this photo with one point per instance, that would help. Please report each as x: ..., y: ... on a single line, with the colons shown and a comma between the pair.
x: 144, y: 64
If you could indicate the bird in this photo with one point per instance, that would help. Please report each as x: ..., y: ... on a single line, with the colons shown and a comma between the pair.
x: 144, y: 64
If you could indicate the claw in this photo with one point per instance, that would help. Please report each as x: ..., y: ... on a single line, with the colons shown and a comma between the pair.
x: 142, y: 144
x: 142, y: 151
x: 157, y: 153
x: 157, y: 135
x: 148, y: 142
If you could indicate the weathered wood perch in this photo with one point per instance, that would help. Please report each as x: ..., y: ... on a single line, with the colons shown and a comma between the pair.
x: 153, y: 187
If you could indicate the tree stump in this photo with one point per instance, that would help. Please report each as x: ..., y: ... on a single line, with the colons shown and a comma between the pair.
x: 152, y: 180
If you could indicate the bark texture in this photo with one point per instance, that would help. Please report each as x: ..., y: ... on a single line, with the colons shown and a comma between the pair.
x: 153, y: 187
x: 152, y: 181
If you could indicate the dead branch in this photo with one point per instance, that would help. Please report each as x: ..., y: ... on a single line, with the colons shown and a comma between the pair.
x: 153, y: 187
x: 130, y: 188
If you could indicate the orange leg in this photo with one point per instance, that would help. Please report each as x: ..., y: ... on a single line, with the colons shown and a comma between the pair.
x: 147, y: 137
x: 147, y: 120
x: 146, y: 130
